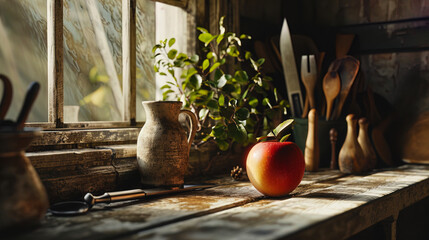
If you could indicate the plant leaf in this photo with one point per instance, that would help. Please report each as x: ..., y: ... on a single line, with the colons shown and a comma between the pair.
x: 156, y: 47
x: 195, y: 58
x: 206, y: 38
x: 254, y: 102
x: 212, y: 104
x: 195, y: 81
x: 241, y: 76
x: 220, y: 38
x: 247, y: 55
x: 219, y: 131
x: 223, y: 145
x: 221, y: 27
x: 202, y: 112
x: 171, y: 42
x: 232, y: 51
x: 237, y: 132
x: 284, y: 138
x: 206, y: 64
x: 214, y: 66
x: 242, y: 113
x: 221, y: 100
x: 203, y: 30
x: 282, y: 128
x: 266, y: 102
x: 172, y: 53
x: 190, y: 73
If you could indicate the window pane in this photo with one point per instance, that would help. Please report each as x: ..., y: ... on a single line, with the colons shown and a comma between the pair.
x: 171, y: 22
x: 23, y: 55
x: 145, y: 75
x: 93, y: 60
x: 156, y: 22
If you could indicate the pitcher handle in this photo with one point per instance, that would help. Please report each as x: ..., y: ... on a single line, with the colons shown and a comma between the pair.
x: 194, y: 126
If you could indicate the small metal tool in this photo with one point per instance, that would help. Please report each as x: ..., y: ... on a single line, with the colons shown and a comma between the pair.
x: 72, y: 208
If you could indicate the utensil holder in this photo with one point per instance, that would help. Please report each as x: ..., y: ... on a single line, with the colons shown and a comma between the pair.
x: 300, y: 130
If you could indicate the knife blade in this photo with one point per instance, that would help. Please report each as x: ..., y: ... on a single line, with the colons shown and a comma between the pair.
x: 290, y: 71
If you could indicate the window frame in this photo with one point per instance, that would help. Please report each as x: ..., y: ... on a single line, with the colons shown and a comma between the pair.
x: 55, y: 56
x: 201, y: 12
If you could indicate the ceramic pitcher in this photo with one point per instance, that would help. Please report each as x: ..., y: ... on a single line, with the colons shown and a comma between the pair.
x: 163, y: 145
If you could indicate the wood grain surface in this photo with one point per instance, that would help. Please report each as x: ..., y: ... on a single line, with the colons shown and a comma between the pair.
x: 327, y: 204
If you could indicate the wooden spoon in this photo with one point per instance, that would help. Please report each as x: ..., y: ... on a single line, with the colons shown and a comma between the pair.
x: 348, y: 70
x: 331, y: 87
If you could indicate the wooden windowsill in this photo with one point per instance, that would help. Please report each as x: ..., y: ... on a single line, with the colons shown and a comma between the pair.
x: 326, y: 205
x: 70, y: 173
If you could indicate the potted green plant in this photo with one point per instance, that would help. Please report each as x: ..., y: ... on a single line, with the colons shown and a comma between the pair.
x: 234, y: 101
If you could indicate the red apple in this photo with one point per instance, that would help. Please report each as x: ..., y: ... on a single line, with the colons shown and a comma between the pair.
x: 275, y: 168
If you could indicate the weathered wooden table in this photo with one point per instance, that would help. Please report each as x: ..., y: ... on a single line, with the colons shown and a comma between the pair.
x: 326, y: 205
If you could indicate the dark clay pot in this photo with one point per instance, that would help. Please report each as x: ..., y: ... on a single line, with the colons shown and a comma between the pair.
x: 23, y: 198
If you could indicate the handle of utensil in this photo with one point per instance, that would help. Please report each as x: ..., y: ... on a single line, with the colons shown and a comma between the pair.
x: 110, y: 197
x: 133, y: 194
x: 297, y: 103
x: 7, y: 96
x: 30, y: 97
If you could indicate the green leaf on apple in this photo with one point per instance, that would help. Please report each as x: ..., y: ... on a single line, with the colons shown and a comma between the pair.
x: 285, y: 137
x: 281, y: 129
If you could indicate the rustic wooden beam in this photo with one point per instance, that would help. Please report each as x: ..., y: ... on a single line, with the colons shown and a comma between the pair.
x: 122, y: 151
x: 86, y: 136
x: 70, y: 159
x: 55, y: 62
x: 129, y: 59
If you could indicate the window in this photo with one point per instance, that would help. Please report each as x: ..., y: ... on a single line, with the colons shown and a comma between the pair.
x: 23, y: 53
x: 92, y: 58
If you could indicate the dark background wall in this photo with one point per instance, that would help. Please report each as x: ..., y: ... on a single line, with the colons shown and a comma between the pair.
x: 392, y: 43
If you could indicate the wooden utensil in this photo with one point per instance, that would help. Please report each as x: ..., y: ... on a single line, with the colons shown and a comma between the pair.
x: 351, y: 154
x: 343, y: 42
x: 365, y: 143
x: 309, y: 77
x: 311, y: 153
x: 348, y: 70
x: 7, y: 96
x: 331, y: 87
x: 304, y: 45
x: 30, y: 97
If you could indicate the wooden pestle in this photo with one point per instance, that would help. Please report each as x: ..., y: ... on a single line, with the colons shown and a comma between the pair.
x: 351, y: 155
x: 365, y: 143
x: 311, y: 153
x: 333, y: 136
